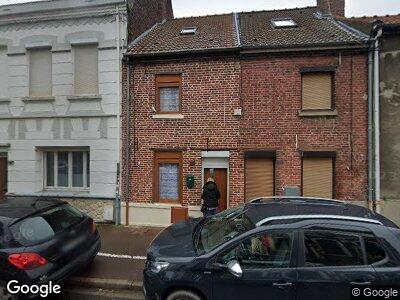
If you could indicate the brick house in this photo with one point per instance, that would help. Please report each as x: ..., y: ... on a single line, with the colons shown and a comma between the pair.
x: 268, y: 103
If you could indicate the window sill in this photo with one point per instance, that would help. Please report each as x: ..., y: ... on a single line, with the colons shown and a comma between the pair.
x: 318, y: 113
x: 5, y: 100
x: 168, y: 117
x: 44, y: 98
x: 83, y: 97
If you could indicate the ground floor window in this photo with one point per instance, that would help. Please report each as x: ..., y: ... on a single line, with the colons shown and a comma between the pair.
x: 168, y: 176
x: 318, y: 175
x: 67, y: 169
x: 259, y: 178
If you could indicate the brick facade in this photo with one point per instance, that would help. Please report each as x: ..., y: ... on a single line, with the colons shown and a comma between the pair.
x: 268, y: 89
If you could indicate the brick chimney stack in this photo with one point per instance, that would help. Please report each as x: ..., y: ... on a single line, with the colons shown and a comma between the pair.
x: 332, y: 7
x: 143, y: 14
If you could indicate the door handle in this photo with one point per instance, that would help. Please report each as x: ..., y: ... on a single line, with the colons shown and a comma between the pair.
x: 282, y: 285
x: 360, y: 282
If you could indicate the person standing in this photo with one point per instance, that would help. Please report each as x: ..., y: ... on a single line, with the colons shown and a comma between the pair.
x: 210, y: 196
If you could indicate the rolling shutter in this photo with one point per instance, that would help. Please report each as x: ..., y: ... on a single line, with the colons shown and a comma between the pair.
x: 259, y: 174
x: 40, y: 73
x: 317, y: 90
x: 86, y: 69
x: 318, y: 177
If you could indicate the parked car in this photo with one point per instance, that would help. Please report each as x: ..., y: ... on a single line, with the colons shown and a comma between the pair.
x: 43, y: 240
x: 280, y: 248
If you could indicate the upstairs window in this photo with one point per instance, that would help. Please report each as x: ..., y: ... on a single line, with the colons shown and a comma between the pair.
x: 317, y: 91
x: 283, y: 23
x: 40, y: 72
x: 168, y: 93
x: 188, y: 30
x: 86, y: 63
x: 3, y: 73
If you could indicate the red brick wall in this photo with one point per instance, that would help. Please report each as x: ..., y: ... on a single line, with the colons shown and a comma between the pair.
x: 143, y: 14
x: 271, y: 99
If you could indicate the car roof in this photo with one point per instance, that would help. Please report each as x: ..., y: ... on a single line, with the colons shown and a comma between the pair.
x: 263, y: 208
x: 19, y: 207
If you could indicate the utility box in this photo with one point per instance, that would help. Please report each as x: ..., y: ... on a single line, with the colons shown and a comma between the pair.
x: 291, y: 191
x: 190, y: 181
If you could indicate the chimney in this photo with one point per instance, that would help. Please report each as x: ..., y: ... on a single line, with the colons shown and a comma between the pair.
x: 143, y: 14
x: 332, y: 7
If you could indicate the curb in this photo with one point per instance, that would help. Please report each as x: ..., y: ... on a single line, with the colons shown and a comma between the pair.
x: 113, y: 284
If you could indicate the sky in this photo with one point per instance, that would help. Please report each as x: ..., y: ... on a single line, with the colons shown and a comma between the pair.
x: 185, y: 8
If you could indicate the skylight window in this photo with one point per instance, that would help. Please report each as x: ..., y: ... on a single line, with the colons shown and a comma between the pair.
x: 283, y: 23
x: 188, y: 30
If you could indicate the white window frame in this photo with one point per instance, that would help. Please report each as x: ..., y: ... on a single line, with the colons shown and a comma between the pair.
x: 86, y: 163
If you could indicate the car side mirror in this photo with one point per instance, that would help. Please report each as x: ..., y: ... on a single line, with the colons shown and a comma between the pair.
x: 235, y: 269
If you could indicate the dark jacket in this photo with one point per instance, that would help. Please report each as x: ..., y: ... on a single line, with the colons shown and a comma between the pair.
x: 210, y: 195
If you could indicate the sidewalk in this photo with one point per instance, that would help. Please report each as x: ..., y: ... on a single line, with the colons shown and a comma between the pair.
x: 121, y: 259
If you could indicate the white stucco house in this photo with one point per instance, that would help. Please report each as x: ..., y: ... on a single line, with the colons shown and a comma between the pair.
x: 59, y: 100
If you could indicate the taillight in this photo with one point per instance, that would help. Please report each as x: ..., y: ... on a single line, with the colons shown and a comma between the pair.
x: 93, y: 227
x: 26, y: 261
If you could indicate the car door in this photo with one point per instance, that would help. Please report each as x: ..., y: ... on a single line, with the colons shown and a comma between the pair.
x: 331, y: 263
x: 382, y: 251
x: 267, y: 261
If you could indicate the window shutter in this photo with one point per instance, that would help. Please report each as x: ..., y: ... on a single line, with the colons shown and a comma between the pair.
x: 259, y: 174
x: 318, y: 177
x: 317, y: 90
x: 40, y: 72
x: 86, y: 70
x: 3, y: 72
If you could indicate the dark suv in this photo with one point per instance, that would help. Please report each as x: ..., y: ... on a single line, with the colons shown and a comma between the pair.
x: 43, y: 240
x: 280, y: 248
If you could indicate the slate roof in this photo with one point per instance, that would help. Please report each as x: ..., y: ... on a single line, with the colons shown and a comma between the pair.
x: 247, y: 30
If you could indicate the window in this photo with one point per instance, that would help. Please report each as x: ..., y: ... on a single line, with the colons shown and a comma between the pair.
x: 328, y: 248
x: 375, y: 253
x: 318, y: 177
x: 86, y: 69
x: 40, y: 73
x: 169, y: 88
x: 168, y: 177
x: 259, y: 177
x: 188, y: 30
x: 3, y: 72
x: 266, y: 250
x: 283, y: 23
x: 67, y: 169
x: 317, y: 91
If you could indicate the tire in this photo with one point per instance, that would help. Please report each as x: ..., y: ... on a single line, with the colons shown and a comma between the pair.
x: 183, y: 295
x: 5, y: 295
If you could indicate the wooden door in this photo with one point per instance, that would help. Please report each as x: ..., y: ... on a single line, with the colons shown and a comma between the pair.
x: 3, y: 177
x: 221, y: 179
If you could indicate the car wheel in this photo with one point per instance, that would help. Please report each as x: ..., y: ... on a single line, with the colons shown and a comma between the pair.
x: 5, y: 295
x: 183, y: 295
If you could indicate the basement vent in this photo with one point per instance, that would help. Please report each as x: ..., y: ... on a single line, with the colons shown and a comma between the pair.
x: 188, y: 30
x: 283, y: 23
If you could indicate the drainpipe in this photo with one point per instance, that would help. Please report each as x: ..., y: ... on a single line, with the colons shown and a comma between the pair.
x: 377, y: 118
x: 127, y: 143
x: 371, y: 178
x: 117, y: 204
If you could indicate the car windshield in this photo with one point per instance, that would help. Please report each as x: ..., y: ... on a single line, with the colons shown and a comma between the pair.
x: 221, y: 228
x: 43, y: 226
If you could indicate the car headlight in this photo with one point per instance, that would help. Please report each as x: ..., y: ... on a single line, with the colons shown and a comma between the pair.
x: 157, y: 266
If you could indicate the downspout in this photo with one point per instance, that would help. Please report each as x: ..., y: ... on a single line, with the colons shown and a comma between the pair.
x: 117, y: 205
x: 377, y: 118
x: 127, y: 143
x: 370, y: 128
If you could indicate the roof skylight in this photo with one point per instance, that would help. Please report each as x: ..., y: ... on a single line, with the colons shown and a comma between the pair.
x: 188, y: 30
x: 283, y: 23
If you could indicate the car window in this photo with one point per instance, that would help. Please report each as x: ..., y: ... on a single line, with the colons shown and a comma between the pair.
x: 328, y: 248
x: 375, y: 253
x: 265, y: 250
x: 43, y: 226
